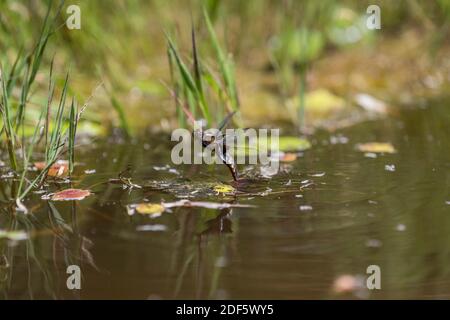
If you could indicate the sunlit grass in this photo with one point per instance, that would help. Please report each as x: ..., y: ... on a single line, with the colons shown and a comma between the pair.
x: 199, y: 89
x: 53, y: 132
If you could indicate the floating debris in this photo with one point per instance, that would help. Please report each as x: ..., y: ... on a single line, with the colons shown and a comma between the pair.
x: 389, y: 167
x: 305, y: 208
x: 374, y: 243
x: 57, y: 170
x: 156, y: 209
x: 68, y: 195
x: 268, y: 171
x: 370, y: 155
x: 320, y: 174
x: 152, y: 227
x: 166, y: 168
x: 376, y: 147
x: 400, y: 227
x: 339, y: 139
x: 8, y: 175
x: 15, y: 235
x: 205, y: 204
x: 91, y: 171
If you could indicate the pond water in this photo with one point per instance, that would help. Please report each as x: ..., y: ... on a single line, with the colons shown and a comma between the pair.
x: 333, y: 211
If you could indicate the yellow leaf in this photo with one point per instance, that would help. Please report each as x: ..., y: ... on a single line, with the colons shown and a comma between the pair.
x: 223, y: 189
x: 153, y: 209
x: 376, y: 147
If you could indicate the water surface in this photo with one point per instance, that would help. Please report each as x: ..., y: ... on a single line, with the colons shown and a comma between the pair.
x: 293, y: 244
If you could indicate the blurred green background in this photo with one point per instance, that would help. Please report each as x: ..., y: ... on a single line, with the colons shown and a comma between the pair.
x: 286, y: 53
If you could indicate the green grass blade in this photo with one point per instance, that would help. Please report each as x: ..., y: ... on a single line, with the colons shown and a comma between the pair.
x: 121, y: 112
x: 198, y: 79
x: 225, y: 65
x: 72, y: 133
x: 6, y: 116
x: 189, y: 81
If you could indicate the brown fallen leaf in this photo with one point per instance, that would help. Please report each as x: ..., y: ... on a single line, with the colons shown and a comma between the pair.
x: 58, y: 169
x: 376, y: 147
x: 70, y: 194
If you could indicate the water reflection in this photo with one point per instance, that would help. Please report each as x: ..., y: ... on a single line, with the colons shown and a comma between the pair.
x: 294, y: 243
x: 36, y: 267
x: 201, y: 252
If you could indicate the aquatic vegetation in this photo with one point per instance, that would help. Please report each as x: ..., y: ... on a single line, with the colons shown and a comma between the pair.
x: 191, y: 89
x: 299, y: 43
x: 50, y: 132
x: 211, y: 238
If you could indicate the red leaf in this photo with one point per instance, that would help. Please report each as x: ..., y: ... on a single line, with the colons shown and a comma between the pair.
x: 70, y: 194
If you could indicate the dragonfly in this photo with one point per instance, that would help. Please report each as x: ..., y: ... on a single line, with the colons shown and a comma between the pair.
x: 218, y: 141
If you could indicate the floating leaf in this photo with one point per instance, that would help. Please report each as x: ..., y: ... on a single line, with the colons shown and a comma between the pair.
x: 263, y: 144
x: 70, y: 194
x: 288, y: 157
x: 13, y: 235
x: 319, y: 104
x: 376, y: 147
x: 320, y: 174
x: 58, y: 169
x: 223, y: 189
x: 293, y: 143
x: 152, y: 209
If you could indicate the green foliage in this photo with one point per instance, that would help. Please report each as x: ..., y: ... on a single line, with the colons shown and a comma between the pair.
x: 197, y: 89
x: 14, y: 113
